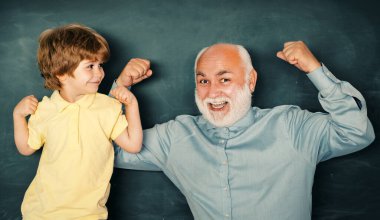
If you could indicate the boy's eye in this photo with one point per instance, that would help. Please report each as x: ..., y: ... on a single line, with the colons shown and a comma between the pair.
x: 91, y: 66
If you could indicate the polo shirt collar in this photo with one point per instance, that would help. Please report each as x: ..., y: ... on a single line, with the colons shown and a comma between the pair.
x: 84, y: 102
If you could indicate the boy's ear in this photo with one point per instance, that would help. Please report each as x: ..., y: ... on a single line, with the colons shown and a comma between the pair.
x: 62, y: 77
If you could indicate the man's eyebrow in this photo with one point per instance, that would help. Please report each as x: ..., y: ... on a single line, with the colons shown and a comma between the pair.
x: 200, y: 74
x: 222, y: 72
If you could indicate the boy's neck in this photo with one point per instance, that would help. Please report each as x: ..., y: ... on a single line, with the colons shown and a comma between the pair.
x: 69, y: 96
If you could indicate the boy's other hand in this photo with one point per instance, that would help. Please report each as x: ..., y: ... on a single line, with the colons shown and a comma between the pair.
x: 27, y: 106
x: 135, y: 71
x: 123, y: 95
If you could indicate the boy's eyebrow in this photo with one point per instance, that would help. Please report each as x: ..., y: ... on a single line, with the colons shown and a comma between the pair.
x: 92, y: 61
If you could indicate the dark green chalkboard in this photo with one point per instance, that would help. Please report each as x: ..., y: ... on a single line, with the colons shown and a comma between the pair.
x: 344, y: 35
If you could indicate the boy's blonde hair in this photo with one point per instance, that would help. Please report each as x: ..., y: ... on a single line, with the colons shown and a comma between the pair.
x: 61, y: 50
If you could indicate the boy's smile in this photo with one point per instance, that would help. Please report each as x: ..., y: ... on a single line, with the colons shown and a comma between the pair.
x: 85, y: 80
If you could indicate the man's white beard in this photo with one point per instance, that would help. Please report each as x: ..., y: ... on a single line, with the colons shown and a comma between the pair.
x: 238, y: 107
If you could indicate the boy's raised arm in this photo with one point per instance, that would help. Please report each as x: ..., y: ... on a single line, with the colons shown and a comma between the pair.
x: 25, y: 107
x: 131, y: 138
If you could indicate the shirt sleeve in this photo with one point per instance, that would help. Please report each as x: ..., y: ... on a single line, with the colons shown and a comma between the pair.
x: 120, y: 122
x: 114, y: 85
x: 35, y: 125
x: 154, y: 153
x: 344, y: 129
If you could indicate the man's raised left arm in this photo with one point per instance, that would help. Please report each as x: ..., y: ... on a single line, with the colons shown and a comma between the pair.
x: 345, y: 129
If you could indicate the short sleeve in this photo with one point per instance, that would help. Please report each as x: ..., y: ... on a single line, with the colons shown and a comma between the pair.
x: 110, y: 113
x: 120, y: 125
x: 35, y: 125
x: 114, y: 118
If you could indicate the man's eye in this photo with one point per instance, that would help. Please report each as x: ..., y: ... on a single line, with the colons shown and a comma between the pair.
x: 203, y: 81
x: 101, y: 65
x: 91, y: 66
x: 224, y: 80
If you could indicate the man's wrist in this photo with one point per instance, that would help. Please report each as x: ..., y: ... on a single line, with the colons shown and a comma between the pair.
x: 118, y: 82
x: 314, y: 67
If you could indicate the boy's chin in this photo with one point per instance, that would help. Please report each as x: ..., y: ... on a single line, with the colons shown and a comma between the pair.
x: 93, y: 90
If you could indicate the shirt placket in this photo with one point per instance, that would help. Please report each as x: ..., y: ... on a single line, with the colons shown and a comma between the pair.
x: 224, y: 168
x: 74, y: 125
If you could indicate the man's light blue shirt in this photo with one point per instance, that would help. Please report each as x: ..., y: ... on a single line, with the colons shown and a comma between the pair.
x: 262, y: 167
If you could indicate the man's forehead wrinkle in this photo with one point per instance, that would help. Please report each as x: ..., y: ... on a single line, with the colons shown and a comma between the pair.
x: 210, y: 58
x: 220, y: 62
x: 215, y: 66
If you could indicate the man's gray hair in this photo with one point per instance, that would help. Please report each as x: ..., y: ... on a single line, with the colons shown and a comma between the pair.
x: 244, y: 56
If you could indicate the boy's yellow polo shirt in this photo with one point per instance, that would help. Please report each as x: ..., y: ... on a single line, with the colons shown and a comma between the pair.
x: 76, y: 164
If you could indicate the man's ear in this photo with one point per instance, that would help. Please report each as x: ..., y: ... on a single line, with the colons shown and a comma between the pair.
x: 252, y: 80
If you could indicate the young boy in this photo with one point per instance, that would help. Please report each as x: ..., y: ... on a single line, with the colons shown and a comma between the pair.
x: 75, y: 126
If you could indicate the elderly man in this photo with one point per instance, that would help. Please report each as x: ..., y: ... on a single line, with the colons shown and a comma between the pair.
x: 241, y: 162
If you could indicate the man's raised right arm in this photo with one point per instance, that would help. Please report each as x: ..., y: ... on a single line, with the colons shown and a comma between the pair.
x: 135, y: 71
x: 153, y: 155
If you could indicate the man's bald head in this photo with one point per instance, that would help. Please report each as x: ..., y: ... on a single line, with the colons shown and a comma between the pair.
x: 235, y: 50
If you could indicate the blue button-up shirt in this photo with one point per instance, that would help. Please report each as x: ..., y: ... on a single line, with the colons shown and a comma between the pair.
x: 262, y: 167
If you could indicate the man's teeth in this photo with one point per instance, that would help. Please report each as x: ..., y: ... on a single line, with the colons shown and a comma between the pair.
x: 218, y: 104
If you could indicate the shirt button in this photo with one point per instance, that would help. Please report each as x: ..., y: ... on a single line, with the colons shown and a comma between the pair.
x: 225, y: 188
x: 224, y: 162
x: 221, y: 141
x: 227, y: 215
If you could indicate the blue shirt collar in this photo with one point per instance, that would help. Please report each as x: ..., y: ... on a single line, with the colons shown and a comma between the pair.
x: 241, y: 124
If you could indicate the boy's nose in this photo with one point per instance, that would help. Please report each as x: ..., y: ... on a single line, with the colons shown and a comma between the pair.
x: 99, y: 71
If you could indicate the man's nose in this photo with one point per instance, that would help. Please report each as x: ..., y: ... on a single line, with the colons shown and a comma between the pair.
x: 214, y: 90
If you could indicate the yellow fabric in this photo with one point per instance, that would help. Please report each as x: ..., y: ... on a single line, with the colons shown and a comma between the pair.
x: 76, y: 164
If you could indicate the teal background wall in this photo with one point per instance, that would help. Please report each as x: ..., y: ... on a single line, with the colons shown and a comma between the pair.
x: 342, y: 34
